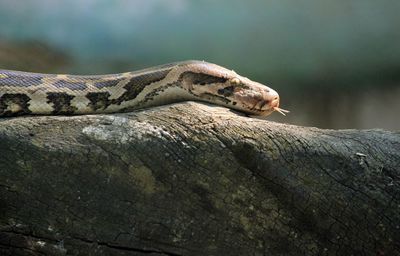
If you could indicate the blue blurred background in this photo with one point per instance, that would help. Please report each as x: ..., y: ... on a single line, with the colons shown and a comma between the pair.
x: 335, y: 63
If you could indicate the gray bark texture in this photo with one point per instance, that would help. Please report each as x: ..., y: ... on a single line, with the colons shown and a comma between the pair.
x: 194, y: 179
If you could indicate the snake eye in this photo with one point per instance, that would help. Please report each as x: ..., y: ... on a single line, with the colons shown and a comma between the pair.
x: 235, y: 81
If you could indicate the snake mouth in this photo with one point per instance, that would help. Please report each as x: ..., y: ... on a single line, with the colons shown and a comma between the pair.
x: 265, y: 107
x: 275, y: 106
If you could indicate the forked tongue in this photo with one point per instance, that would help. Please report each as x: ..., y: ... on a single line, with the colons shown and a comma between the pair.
x: 282, y: 111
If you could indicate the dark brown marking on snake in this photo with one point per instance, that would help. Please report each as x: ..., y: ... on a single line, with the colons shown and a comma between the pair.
x: 14, y: 104
x: 75, y: 86
x: 156, y: 92
x: 210, y: 96
x: 98, y: 100
x: 61, y: 103
x: 201, y: 78
x: 136, y: 85
x: 263, y: 103
x: 109, y: 83
x: 227, y: 91
x: 20, y: 79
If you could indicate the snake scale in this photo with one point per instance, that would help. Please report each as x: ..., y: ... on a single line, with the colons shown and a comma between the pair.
x: 23, y: 93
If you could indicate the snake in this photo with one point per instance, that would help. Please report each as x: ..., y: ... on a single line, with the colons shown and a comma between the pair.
x: 26, y: 93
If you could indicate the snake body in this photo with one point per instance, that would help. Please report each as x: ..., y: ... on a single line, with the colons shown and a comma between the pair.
x: 24, y: 93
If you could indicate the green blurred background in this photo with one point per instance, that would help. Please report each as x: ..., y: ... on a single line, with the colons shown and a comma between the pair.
x: 335, y: 63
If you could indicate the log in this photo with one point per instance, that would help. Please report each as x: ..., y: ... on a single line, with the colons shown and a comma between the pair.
x: 195, y: 179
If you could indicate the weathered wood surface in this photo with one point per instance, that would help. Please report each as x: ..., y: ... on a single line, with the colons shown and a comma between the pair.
x: 193, y: 179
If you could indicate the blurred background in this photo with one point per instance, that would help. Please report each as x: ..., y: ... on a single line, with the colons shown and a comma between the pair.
x: 335, y: 63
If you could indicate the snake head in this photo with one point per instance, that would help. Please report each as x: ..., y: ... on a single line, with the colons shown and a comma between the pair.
x: 212, y: 83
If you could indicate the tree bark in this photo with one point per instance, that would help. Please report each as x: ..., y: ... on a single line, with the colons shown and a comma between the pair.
x: 194, y: 179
